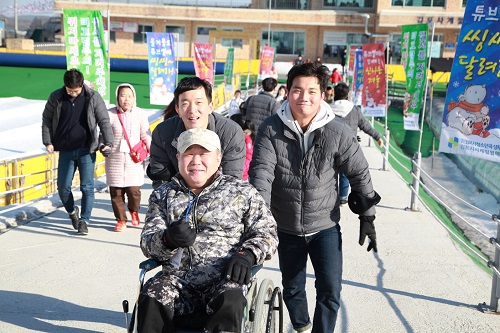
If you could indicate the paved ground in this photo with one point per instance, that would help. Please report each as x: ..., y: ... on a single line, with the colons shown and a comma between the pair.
x: 420, y: 281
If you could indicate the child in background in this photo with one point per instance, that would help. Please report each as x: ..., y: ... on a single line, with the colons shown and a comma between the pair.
x: 249, y: 130
x: 234, y: 104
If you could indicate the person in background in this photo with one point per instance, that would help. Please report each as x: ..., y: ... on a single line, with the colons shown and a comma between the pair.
x: 298, y: 60
x: 281, y: 94
x: 318, y: 61
x: 329, y: 95
x: 335, y: 78
x: 234, y: 104
x: 69, y: 125
x: 208, y: 230
x: 193, y: 103
x: 249, y: 131
x: 298, y: 153
x: 260, y: 106
x: 350, y: 114
x: 123, y: 176
x: 169, y: 111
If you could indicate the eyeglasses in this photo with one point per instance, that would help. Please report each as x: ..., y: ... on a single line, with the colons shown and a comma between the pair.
x: 74, y: 91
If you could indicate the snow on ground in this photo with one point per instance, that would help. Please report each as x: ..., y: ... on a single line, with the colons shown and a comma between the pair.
x: 21, y: 127
x: 20, y: 134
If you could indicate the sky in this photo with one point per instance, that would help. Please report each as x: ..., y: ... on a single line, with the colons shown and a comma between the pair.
x: 20, y: 135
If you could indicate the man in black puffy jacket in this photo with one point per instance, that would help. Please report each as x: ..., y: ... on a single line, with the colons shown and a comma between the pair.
x: 297, y: 156
x: 193, y: 103
x: 264, y: 104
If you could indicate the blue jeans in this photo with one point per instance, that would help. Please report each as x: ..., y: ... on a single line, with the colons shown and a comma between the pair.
x: 85, y: 162
x: 343, y: 185
x: 325, y: 250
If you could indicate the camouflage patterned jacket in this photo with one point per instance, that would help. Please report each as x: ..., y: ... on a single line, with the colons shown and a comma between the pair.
x: 229, y: 215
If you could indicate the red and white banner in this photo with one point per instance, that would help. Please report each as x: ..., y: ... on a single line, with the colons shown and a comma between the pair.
x: 374, y: 99
x: 203, y: 65
x: 266, y: 62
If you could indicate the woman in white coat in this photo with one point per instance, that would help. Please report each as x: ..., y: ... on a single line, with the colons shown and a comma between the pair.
x: 123, y: 175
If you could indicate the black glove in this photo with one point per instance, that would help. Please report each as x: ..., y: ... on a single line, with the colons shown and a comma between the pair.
x: 239, y: 267
x: 367, y: 228
x: 358, y: 138
x: 106, y: 152
x: 179, y: 234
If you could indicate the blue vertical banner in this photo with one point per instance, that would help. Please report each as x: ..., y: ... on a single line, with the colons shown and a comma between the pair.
x: 162, y: 67
x: 358, y: 76
x: 471, y: 118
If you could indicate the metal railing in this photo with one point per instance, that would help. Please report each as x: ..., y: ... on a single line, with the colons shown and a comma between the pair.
x: 487, y: 245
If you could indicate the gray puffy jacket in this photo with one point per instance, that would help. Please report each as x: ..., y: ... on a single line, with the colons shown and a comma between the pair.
x: 301, y: 188
x: 261, y: 106
x: 352, y: 116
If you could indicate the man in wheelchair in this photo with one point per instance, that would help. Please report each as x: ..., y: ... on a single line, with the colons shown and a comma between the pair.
x: 208, y: 230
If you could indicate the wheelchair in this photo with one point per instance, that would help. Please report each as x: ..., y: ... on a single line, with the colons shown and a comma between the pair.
x: 263, y: 312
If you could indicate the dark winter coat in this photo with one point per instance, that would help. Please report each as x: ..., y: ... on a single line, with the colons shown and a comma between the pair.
x: 163, y: 161
x: 97, y: 115
x: 297, y: 172
x: 261, y: 106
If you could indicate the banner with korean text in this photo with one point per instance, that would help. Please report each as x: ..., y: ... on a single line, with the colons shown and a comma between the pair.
x: 358, y: 77
x: 228, y: 67
x: 414, y: 60
x: 203, y: 65
x: 266, y: 62
x: 162, y: 67
x: 374, y: 100
x: 471, y: 119
x: 350, y: 60
x: 86, y: 48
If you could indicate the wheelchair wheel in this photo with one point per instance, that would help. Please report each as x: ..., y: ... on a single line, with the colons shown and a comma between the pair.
x: 267, y: 303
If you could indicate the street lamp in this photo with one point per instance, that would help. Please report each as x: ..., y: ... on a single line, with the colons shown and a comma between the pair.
x: 269, y: 24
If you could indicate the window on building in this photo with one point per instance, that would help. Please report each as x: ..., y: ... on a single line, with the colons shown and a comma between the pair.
x: 179, y: 38
x: 286, y: 42
x: 140, y: 35
x: 419, y: 3
x: 112, y: 36
x: 232, y: 42
x: 464, y: 3
x: 202, y: 34
x: 348, y: 3
x: 357, y: 39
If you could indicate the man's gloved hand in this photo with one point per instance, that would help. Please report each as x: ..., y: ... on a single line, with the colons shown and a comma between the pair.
x: 239, y: 267
x: 179, y: 234
x: 105, y: 150
x: 367, y: 228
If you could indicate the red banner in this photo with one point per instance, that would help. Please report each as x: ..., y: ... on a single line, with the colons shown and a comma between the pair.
x: 374, y: 101
x: 266, y: 62
x: 203, y: 65
x: 350, y: 64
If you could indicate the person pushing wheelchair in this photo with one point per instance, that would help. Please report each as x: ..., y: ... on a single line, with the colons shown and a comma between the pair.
x: 208, y: 230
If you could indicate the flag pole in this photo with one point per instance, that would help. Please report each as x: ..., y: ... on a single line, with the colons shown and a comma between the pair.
x: 426, y: 88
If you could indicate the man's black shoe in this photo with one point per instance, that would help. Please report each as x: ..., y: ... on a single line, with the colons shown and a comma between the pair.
x: 75, y: 217
x: 82, y: 228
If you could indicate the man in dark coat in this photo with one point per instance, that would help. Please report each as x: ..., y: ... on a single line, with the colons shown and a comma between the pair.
x: 193, y: 103
x: 264, y: 104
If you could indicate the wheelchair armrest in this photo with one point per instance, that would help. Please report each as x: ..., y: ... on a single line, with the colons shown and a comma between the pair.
x: 149, y: 264
x: 257, y: 268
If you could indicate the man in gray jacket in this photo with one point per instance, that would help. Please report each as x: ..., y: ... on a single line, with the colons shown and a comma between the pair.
x: 298, y: 153
x: 262, y: 105
x: 69, y: 125
x: 193, y: 103
x: 349, y: 113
